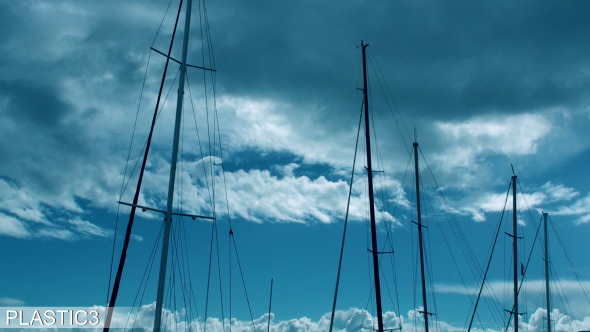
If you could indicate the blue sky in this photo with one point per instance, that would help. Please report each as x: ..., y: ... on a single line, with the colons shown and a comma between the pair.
x: 485, y: 85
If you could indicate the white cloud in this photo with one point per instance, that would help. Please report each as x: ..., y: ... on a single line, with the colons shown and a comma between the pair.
x: 544, y: 197
x: 257, y: 194
x: 558, y: 192
x: 21, y: 203
x: 13, y: 227
x: 568, y: 289
x: 580, y: 207
x: 353, y: 319
x: 510, y: 135
x: 465, y: 149
x: 349, y: 320
x: 274, y: 125
x: 27, y: 218
x: 560, y: 322
x: 10, y: 302
x: 56, y: 233
x: 85, y: 227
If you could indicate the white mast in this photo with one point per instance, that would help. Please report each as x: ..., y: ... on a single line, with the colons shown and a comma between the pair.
x: 168, y: 217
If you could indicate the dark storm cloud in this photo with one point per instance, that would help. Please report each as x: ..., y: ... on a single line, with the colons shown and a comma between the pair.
x: 42, y: 135
x: 26, y: 103
x: 71, y: 73
x: 440, y: 59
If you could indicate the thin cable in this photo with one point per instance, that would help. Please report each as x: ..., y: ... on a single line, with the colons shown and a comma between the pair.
x: 243, y: 281
x: 345, y: 222
x: 574, y: 269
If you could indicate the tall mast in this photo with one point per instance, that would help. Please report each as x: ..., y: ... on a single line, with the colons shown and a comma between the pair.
x: 168, y: 217
x: 371, y: 198
x: 420, y: 241
x: 269, y: 305
x: 547, y: 274
x: 515, y: 253
x: 119, y: 274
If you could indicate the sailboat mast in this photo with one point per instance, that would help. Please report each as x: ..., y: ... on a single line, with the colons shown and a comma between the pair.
x: 168, y: 217
x: 515, y: 253
x: 269, y: 305
x: 420, y: 241
x: 371, y: 198
x: 547, y: 274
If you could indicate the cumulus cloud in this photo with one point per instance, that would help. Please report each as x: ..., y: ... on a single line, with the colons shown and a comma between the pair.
x: 350, y: 320
x: 469, y: 143
x: 549, y: 197
x: 23, y: 215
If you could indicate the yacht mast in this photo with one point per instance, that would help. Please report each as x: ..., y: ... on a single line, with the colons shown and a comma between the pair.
x: 168, y: 216
x: 371, y: 198
x: 420, y: 241
x: 547, y: 274
x: 515, y: 253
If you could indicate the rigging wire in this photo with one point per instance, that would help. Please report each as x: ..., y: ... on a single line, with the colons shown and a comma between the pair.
x: 145, y: 278
x: 205, y: 173
x: 143, y: 149
x: 162, y: 21
x: 572, y: 266
x: 123, y: 186
x: 345, y: 222
x: 382, y: 82
x: 243, y: 282
x: 473, y: 263
x: 490, y: 259
x: 564, y: 301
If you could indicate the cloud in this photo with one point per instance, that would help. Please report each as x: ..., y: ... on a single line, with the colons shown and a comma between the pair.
x: 21, y: 203
x: 276, y: 125
x: 350, y: 320
x: 292, y: 91
x: 471, y: 139
x: 11, y: 226
x: 560, y: 321
x: 87, y: 228
x: 558, y: 192
x: 549, y: 197
x: 10, y: 302
x: 257, y: 194
x: 23, y: 215
x: 580, y: 208
x: 570, y: 289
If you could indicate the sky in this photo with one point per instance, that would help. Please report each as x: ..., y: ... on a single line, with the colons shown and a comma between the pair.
x: 482, y: 86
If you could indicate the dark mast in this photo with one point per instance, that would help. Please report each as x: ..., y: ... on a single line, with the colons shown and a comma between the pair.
x: 371, y: 198
x: 515, y: 252
x: 420, y: 241
x: 547, y: 294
